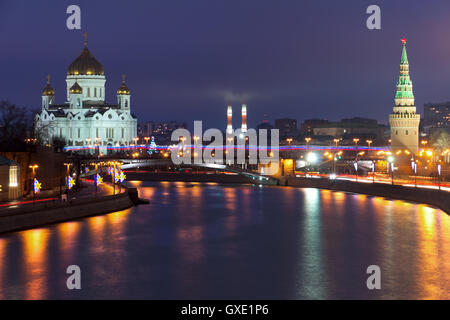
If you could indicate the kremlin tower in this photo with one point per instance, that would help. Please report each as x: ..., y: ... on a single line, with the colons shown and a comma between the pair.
x: 404, y: 120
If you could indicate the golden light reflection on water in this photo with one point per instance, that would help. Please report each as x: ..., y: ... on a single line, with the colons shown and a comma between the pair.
x: 230, y: 198
x: 35, y: 264
x: 68, y: 238
x: 2, y: 271
x: 311, y: 256
x: 190, y: 243
x: 433, y: 260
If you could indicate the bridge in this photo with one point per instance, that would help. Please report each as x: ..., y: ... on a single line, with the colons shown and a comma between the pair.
x: 139, y: 163
x: 148, y: 163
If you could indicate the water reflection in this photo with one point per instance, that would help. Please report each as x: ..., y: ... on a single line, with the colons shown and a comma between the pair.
x: 199, y: 240
x: 35, y: 266
x: 2, y: 268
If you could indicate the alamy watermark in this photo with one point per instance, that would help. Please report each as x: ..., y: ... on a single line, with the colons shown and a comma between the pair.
x: 374, y: 20
x: 374, y: 280
x: 74, y: 280
x: 74, y: 20
x: 237, y: 147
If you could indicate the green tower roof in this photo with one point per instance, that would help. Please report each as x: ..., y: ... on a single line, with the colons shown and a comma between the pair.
x: 404, y: 84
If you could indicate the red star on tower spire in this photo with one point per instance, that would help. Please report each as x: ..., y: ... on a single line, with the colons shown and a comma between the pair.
x: 403, y: 41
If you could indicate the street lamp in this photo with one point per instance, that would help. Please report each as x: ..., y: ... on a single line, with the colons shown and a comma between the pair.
x: 373, y: 171
x: 146, y: 139
x: 356, y: 140
x: 439, y: 175
x: 336, y: 141
x: 369, y: 142
x: 414, y: 167
x: 391, y: 161
x: 34, y: 167
x: 308, y: 140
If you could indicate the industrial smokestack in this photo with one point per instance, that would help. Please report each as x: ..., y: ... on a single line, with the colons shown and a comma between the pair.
x: 244, y: 118
x: 229, y: 119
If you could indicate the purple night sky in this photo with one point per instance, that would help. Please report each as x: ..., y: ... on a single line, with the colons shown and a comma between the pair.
x: 185, y: 59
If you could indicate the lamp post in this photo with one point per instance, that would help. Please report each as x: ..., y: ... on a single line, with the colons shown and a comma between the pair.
x: 369, y: 142
x: 391, y: 161
x: 336, y: 141
x: 415, y: 173
x: 34, y: 167
x: 356, y: 140
x: 439, y: 175
x: 373, y: 171
x: 308, y: 140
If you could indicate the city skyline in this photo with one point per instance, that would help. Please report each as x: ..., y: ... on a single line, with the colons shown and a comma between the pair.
x: 188, y: 65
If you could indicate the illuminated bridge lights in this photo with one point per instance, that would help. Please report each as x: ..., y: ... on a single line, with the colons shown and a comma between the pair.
x: 237, y: 147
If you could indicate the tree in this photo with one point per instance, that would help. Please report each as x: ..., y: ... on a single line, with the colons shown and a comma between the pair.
x: 441, y: 140
x: 14, y: 125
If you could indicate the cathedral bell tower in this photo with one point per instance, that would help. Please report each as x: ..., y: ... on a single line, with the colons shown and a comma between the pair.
x: 123, y: 96
x: 404, y: 121
x: 76, y: 96
x: 48, y: 95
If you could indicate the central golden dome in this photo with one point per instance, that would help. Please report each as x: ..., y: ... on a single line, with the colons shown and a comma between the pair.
x: 85, y: 64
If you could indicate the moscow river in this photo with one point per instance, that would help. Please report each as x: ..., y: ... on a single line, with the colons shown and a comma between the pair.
x: 211, y: 241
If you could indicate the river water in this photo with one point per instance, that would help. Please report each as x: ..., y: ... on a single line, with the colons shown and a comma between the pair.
x: 210, y: 241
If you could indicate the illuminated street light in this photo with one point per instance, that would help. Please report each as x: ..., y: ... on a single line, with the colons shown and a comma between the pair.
x: 336, y: 141
x: 36, y: 184
x: 391, y: 161
x: 311, y: 157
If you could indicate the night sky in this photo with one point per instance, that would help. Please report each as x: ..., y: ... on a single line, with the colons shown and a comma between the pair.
x: 184, y: 59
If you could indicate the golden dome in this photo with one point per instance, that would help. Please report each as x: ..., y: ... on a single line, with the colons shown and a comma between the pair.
x: 48, y: 90
x: 76, y: 89
x: 123, y: 90
x: 85, y: 64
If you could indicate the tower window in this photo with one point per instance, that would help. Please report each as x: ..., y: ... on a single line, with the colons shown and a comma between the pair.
x: 396, y: 132
x: 406, y: 132
x: 89, y: 92
x: 79, y: 133
x: 95, y: 92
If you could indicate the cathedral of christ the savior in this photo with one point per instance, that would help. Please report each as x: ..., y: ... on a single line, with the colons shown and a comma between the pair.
x: 86, y: 121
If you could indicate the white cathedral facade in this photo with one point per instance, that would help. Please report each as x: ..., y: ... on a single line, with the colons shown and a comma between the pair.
x: 86, y: 121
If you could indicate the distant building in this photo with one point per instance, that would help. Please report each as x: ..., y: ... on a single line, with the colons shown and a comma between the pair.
x: 265, y: 126
x: 287, y: 127
x: 307, y: 127
x: 404, y: 120
x: 436, y: 116
x: 162, y: 131
x: 10, y: 188
x: 347, y: 129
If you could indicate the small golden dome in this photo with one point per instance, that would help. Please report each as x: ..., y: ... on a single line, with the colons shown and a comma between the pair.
x: 85, y: 64
x: 48, y: 90
x: 123, y: 90
x: 76, y: 89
